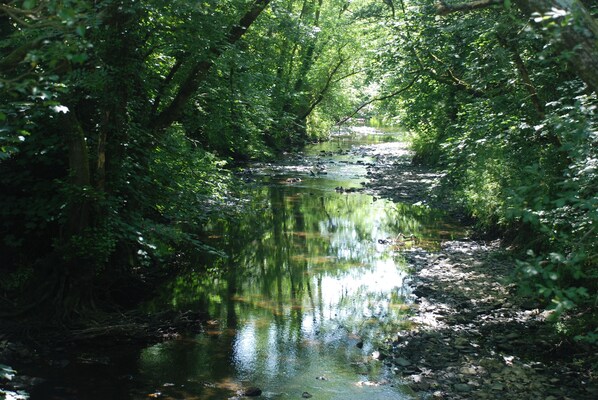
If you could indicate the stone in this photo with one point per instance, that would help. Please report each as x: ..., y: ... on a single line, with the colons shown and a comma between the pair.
x: 467, y: 370
x: 252, y: 392
x: 462, y: 387
x: 403, y: 362
x: 306, y: 395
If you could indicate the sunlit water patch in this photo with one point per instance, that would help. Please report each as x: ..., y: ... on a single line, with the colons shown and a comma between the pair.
x: 311, y: 285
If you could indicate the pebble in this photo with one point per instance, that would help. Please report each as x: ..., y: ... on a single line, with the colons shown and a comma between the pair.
x: 469, y: 337
x: 462, y: 387
x: 403, y: 362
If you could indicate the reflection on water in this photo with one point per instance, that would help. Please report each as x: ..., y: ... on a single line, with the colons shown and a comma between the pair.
x: 308, y: 289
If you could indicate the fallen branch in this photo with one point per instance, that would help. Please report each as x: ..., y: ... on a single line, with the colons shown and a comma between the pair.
x: 131, y: 328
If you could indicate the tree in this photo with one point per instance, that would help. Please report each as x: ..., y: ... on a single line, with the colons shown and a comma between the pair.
x: 506, y: 112
x: 75, y: 82
x: 568, y: 23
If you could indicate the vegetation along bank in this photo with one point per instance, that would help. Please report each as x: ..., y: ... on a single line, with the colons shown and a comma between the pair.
x: 120, y: 124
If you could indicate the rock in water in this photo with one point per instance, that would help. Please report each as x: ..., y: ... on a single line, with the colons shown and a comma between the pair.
x: 252, y: 392
x: 306, y: 395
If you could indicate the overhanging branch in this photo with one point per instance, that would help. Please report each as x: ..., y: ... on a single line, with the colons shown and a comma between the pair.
x: 443, y: 9
x: 381, y: 98
x: 320, y: 96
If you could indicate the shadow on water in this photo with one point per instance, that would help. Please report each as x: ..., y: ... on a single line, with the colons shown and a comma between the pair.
x: 314, y: 278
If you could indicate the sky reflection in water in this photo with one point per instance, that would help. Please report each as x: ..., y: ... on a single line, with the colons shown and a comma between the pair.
x: 306, y: 281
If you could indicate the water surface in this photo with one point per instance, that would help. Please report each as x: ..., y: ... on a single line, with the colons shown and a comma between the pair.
x: 313, y: 281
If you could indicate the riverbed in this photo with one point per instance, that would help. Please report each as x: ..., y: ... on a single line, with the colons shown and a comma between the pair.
x: 315, y: 276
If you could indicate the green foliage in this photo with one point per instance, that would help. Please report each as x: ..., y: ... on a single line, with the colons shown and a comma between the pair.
x: 115, y: 117
x: 497, y: 110
x: 90, y: 186
x: 552, y: 278
x: 6, y: 372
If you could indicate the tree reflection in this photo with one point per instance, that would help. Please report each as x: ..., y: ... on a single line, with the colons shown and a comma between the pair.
x: 304, y: 274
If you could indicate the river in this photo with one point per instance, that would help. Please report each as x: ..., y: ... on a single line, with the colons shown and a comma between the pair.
x: 314, y: 280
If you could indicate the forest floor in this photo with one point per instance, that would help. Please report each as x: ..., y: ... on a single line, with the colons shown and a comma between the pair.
x: 475, y: 336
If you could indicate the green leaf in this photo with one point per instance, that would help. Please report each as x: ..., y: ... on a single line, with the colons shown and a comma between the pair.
x: 79, y: 58
x: 29, y: 4
x: 80, y: 29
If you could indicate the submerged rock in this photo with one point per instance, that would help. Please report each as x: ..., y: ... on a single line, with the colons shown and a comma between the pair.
x: 252, y: 391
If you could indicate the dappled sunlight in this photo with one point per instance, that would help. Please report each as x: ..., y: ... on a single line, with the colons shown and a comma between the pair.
x: 200, y: 200
x: 313, y: 279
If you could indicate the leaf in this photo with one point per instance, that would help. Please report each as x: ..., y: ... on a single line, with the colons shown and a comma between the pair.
x: 80, y: 29
x: 557, y: 258
x: 29, y: 4
x: 6, y: 372
x: 79, y: 58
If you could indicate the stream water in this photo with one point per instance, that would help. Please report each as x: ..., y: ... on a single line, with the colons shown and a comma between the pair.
x: 299, y: 307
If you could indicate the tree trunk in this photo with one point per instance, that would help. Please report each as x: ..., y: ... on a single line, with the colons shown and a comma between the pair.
x: 74, y: 274
x: 79, y: 213
x: 198, y: 73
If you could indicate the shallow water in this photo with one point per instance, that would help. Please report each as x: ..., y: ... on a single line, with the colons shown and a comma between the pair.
x: 308, y: 290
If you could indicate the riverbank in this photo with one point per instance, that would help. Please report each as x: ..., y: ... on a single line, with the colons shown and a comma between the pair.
x: 463, y: 333
x: 475, y: 336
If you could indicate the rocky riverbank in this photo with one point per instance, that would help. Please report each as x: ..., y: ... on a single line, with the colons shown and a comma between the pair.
x: 475, y: 336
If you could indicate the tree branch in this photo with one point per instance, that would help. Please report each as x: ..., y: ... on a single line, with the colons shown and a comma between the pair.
x: 454, y: 79
x: 385, y: 97
x: 349, y: 74
x: 19, y: 15
x: 164, y: 84
x: 576, y: 38
x: 444, y: 9
x: 511, y: 47
x: 320, y: 96
x: 198, y: 73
